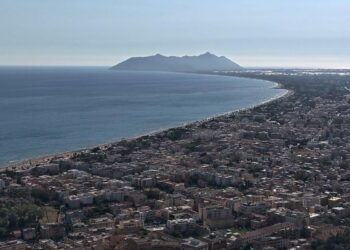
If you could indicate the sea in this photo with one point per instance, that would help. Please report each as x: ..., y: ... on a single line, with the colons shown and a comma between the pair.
x: 46, y: 110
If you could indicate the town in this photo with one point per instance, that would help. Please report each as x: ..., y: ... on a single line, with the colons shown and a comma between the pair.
x: 276, y: 176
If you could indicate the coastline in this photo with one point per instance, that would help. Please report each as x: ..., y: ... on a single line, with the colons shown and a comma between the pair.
x: 26, y: 164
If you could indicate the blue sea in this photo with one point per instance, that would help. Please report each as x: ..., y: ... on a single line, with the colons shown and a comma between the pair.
x: 44, y: 110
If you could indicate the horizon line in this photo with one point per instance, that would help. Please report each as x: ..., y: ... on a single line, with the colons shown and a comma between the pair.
x: 244, y: 67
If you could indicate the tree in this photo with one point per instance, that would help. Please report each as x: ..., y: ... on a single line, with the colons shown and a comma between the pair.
x: 3, y: 232
x: 338, y: 242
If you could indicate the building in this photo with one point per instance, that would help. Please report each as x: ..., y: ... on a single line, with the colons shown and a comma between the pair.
x: 52, y: 231
x: 129, y: 226
x: 181, y: 226
x: 216, y: 216
x: 13, y: 245
x: 214, y: 241
x: 194, y: 244
x: 102, y: 222
x: 28, y: 233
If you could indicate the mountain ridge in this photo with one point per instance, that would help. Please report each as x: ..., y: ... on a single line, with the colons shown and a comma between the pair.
x: 158, y: 62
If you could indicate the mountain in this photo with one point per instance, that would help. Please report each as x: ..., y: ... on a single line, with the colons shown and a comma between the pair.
x: 204, y: 62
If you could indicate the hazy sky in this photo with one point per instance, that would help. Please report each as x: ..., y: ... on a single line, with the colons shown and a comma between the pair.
x: 301, y: 33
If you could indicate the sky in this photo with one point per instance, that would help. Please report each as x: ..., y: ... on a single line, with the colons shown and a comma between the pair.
x: 253, y: 33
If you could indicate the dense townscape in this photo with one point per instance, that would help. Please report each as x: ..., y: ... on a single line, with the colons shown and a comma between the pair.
x: 276, y: 176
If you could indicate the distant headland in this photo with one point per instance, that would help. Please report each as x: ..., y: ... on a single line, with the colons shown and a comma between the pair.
x: 204, y: 62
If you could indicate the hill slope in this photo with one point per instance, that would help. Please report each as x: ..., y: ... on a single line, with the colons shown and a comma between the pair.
x: 204, y: 62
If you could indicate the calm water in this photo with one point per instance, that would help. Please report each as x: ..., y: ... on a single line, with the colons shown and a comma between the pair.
x: 48, y: 110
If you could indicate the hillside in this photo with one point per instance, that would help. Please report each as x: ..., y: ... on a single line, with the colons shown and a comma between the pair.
x: 204, y: 62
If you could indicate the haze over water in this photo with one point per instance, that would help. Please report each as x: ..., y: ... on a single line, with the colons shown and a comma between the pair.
x: 55, y: 109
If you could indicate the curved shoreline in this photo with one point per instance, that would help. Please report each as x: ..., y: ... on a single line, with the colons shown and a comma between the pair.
x: 31, y: 162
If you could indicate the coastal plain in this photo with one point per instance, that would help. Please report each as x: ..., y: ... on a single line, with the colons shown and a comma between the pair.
x: 277, y: 174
